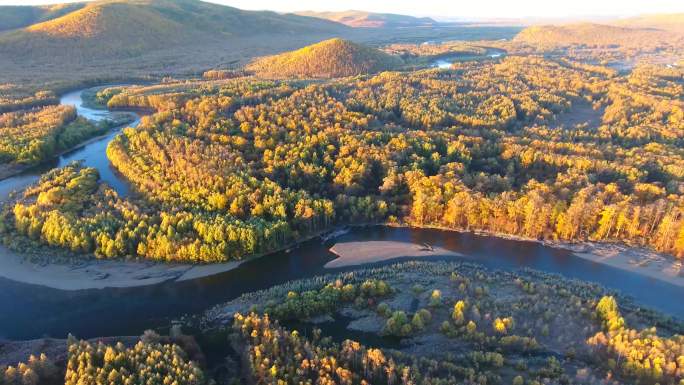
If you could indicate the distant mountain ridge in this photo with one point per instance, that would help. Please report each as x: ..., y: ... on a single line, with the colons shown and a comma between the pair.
x: 673, y: 22
x: 357, y: 19
x: 593, y: 35
x: 328, y: 59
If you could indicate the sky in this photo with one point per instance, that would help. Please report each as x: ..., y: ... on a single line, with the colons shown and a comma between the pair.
x: 466, y: 9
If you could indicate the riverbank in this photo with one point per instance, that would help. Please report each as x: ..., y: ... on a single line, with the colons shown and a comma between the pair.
x: 10, y: 170
x: 635, y: 259
x: 82, y: 274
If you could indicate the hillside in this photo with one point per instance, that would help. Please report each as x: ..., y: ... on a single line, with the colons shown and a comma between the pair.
x: 12, y: 17
x: 591, y: 35
x: 667, y: 22
x: 327, y: 59
x: 364, y: 19
x: 113, y: 28
x: 140, y: 37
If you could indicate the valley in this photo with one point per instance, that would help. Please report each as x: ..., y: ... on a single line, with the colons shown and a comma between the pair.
x: 352, y: 197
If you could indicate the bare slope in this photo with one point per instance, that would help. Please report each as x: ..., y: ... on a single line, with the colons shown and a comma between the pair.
x: 124, y: 28
x: 327, y: 59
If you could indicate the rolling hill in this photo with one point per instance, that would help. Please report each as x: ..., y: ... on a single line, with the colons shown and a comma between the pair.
x: 125, y: 28
x: 592, y: 35
x: 117, y: 40
x: 12, y: 17
x: 327, y: 59
x: 667, y: 22
x: 364, y: 19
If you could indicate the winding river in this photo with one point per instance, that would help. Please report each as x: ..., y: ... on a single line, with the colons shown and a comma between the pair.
x: 30, y: 311
x: 92, y: 153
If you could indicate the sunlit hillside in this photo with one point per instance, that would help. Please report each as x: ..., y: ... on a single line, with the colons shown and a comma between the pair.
x: 327, y: 59
x: 591, y: 35
x: 669, y: 22
x: 115, y: 28
x: 12, y: 17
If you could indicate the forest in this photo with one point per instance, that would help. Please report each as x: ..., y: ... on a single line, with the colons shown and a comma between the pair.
x: 329, y: 58
x: 294, y: 142
x: 151, y: 359
x: 29, y: 137
x: 14, y: 98
x: 461, y: 324
x: 539, y: 148
x: 411, y: 323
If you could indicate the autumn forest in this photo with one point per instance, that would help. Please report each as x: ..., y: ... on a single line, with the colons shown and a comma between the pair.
x: 192, y: 193
x: 229, y: 169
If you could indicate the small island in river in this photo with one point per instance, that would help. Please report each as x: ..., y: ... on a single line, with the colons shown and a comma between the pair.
x: 359, y: 253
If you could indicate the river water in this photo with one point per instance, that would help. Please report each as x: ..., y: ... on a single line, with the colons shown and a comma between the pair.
x: 30, y: 311
x: 92, y: 154
x: 446, y: 61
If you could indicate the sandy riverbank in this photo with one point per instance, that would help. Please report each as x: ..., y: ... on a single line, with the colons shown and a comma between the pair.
x: 634, y: 259
x: 358, y: 253
x: 100, y: 274
x: 638, y: 260
x: 82, y: 274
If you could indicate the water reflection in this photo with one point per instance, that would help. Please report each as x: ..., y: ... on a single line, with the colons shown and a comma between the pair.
x: 447, y: 61
x: 31, y: 311
x: 39, y: 311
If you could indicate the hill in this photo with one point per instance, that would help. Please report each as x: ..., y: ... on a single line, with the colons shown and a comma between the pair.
x: 667, y: 22
x: 119, y: 40
x: 327, y: 59
x: 591, y: 35
x: 115, y: 28
x: 358, y: 19
x: 12, y: 17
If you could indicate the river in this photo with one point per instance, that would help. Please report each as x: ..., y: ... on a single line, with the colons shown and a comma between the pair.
x: 445, y: 62
x: 31, y: 311
x: 92, y: 154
